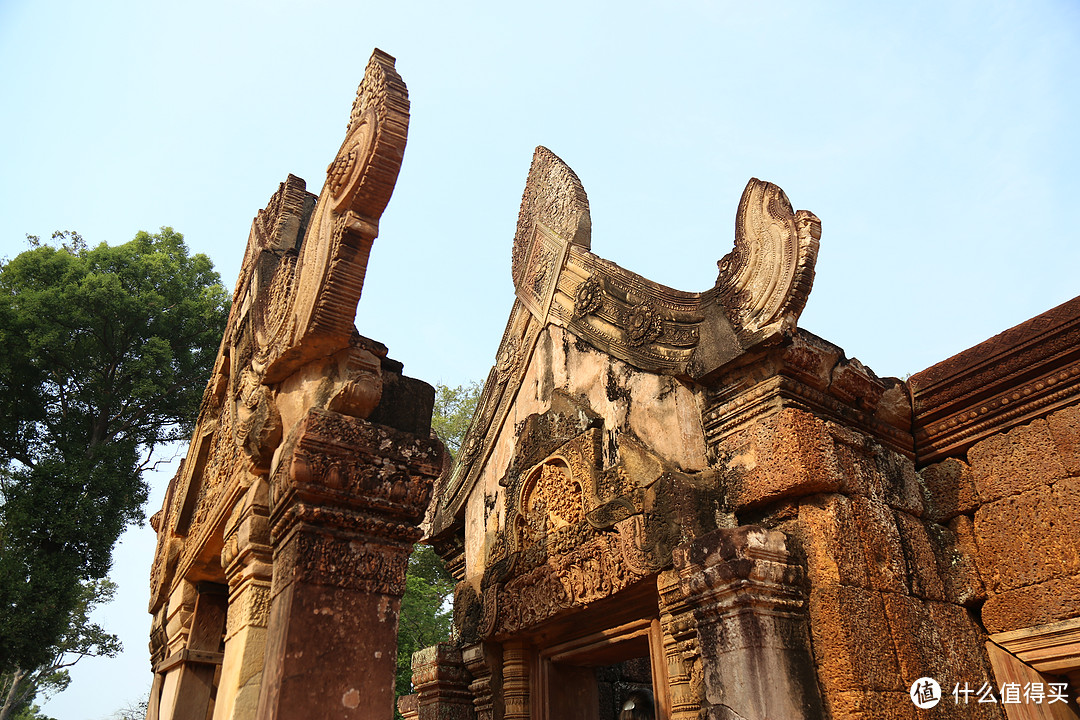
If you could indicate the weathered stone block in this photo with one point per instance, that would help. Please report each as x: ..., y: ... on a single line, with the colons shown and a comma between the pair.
x: 1029, y: 538
x: 1065, y: 432
x: 922, y: 566
x: 858, y: 705
x: 950, y: 489
x: 867, y: 468
x: 962, y: 644
x: 954, y: 548
x: 900, y: 481
x: 825, y: 529
x: 915, y: 637
x: 789, y: 454
x: 880, y: 541
x: 1047, y: 602
x: 852, y: 646
x: 1013, y: 462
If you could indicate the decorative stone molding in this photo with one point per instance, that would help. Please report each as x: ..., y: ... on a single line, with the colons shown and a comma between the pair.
x: 749, y: 605
x: 441, y: 683
x: 484, y: 661
x: 1022, y: 374
x: 810, y: 374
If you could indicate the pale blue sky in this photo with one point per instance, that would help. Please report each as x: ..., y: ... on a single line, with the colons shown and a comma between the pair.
x: 937, y: 142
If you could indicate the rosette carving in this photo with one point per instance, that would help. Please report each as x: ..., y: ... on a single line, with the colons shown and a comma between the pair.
x: 588, y: 298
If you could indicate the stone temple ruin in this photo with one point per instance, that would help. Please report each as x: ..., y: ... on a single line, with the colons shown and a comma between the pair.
x: 674, y: 491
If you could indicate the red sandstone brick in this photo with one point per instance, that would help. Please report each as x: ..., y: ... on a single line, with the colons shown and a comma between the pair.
x: 1016, y: 461
x: 826, y: 530
x: 1065, y: 432
x: 852, y: 645
x: 1057, y: 599
x: 950, y: 489
x: 880, y: 540
x: 1029, y: 538
x: 919, y: 556
x: 787, y: 455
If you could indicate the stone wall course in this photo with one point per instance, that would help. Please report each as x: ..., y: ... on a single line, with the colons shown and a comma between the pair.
x: 1053, y: 600
x: 1029, y: 538
x: 1013, y: 462
x: 949, y: 488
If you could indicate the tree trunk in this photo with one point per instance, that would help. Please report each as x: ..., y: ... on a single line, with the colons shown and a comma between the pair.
x: 10, y: 701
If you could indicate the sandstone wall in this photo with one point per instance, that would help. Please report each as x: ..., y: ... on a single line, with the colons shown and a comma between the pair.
x: 892, y: 583
x: 1015, y: 502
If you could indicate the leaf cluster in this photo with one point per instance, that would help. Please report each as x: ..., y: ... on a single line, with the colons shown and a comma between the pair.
x: 107, y: 352
x: 454, y: 409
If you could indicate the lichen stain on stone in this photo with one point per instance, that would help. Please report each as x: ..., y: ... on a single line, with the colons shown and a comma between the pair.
x: 351, y: 699
x: 384, y: 606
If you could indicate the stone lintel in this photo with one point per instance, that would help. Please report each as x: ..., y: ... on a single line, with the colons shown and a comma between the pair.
x: 1053, y: 648
x: 814, y: 375
x: 1022, y: 374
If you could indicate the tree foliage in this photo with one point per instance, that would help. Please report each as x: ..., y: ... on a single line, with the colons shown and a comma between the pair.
x: 106, y: 354
x: 454, y: 408
x: 426, y: 616
x: 81, y: 638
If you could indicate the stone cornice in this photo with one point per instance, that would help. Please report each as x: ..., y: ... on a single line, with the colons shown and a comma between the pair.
x: 1022, y: 374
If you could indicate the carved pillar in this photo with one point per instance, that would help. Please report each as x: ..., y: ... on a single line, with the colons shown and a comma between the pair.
x: 188, y: 688
x: 516, y: 680
x: 484, y: 661
x: 247, y: 558
x: 748, y: 602
x: 441, y: 683
x: 680, y: 648
x: 346, y: 496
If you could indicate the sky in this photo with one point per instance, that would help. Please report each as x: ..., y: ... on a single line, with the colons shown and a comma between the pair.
x: 937, y: 141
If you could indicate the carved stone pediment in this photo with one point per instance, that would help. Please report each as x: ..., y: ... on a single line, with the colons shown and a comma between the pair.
x: 290, y: 344
x: 693, y: 336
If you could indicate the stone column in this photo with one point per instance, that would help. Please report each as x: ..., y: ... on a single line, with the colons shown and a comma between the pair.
x: 680, y: 648
x: 441, y: 683
x: 748, y: 601
x: 188, y: 686
x: 247, y: 558
x: 516, y: 680
x: 484, y: 661
x: 347, y: 496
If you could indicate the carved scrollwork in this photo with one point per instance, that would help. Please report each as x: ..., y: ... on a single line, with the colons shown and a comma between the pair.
x: 767, y: 278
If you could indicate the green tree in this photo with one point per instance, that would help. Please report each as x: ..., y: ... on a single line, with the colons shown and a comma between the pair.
x: 426, y: 616
x: 454, y: 408
x: 81, y: 638
x: 106, y: 354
